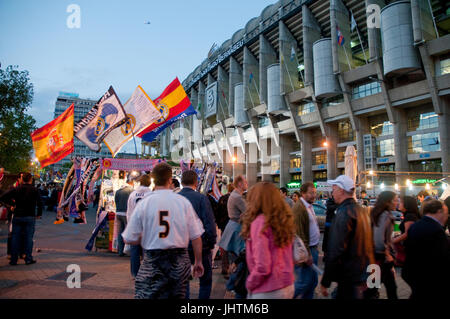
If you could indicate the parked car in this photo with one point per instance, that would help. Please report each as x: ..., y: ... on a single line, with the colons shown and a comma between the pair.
x: 321, y: 214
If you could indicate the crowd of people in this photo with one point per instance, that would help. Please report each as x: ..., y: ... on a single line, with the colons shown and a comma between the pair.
x: 175, y: 234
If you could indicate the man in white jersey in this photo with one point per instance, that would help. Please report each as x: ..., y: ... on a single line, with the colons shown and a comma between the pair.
x: 163, y: 223
x: 135, y: 197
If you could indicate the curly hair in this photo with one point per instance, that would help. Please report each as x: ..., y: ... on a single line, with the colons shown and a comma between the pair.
x: 265, y: 198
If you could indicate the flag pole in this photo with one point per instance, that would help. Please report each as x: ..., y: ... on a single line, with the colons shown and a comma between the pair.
x: 348, y: 61
x: 434, y: 21
x: 285, y: 66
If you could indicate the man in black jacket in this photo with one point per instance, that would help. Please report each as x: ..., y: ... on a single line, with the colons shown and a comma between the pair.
x: 427, y: 262
x: 25, y: 198
x: 202, y: 207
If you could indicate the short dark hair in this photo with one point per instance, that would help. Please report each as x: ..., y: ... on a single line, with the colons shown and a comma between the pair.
x: 283, y: 190
x: 432, y: 206
x: 162, y: 173
x: 188, y: 178
x: 304, y: 188
x: 423, y: 194
x: 145, y: 180
x: 175, y: 182
x: 237, y: 180
x: 27, y: 177
x: 363, y: 191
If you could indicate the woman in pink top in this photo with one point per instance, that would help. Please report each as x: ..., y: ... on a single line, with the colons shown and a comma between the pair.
x: 268, y: 227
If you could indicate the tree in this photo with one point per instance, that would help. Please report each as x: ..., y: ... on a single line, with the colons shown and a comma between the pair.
x: 16, y: 95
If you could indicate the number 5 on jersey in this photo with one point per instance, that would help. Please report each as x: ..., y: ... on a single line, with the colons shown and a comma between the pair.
x: 164, y: 223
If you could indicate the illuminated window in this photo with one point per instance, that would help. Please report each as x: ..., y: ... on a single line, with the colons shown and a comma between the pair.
x: 385, y: 148
x: 341, y: 154
x: 445, y: 66
x: 319, y: 157
x: 306, y: 108
x: 422, y: 121
x: 366, y: 89
x: 426, y: 166
x: 296, y: 162
x: 297, y: 177
x: 380, y: 126
x: 333, y: 101
x: 345, y: 132
x: 420, y: 143
x: 320, y: 176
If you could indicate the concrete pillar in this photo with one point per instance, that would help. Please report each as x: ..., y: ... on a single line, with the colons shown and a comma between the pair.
x: 363, y: 125
x: 444, y: 133
x: 400, y: 144
x: 235, y: 77
x: 339, y: 17
x: 201, y: 99
x: 223, y: 81
x: 251, y: 170
x: 227, y: 163
x: 267, y: 56
x: 286, y: 147
x: 239, y: 165
x: 373, y: 34
x: 288, y: 64
x: 251, y: 80
x: 311, y: 33
x: 332, y: 139
x: 265, y: 145
x: 307, y: 174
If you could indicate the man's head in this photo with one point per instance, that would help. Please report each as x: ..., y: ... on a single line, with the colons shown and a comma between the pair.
x: 343, y: 188
x: 283, y: 192
x: 27, y: 178
x: 240, y: 183
x: 162, y: 174
x: 422, y: 195
x: 436, y: 209
x: 308, y: 192
x: 175, y: 183
x: 145, y: 180
x: 189, y: 179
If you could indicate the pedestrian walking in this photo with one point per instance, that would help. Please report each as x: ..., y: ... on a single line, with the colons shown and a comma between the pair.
x: 203, y: 209
x: 221, y: 221
x: 268, y: 227
x: 25, y: 198
x: 121, y: 200
x: 133, y: 199
x: 350, y: 244
x: 163, y: 223
x: 427, y: 262
x: 231, y: 240
x: 382, y: 229
x: 331, y: 212
x: 284, y: 194
x: 296, y: 197
x: 308, y: 230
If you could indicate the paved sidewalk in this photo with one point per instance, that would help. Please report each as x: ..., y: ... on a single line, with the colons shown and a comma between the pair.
x: 105, y: 275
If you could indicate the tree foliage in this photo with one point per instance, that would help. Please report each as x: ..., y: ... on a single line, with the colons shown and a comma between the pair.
x: 16, y: 95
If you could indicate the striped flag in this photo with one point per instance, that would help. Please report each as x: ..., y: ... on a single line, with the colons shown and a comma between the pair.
x: 353, y: 25
x: 340, y: 37
x: 173, y: 104
x: 216, y: 193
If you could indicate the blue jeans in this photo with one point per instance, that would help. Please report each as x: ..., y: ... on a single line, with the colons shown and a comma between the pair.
x: 122, y: 223
x: 206, y: 279
x: 135, y: 259
x: 22, y: 232
x: 306, y: 278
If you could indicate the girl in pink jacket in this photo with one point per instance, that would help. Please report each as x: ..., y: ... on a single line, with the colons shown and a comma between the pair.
x: 268, y: 227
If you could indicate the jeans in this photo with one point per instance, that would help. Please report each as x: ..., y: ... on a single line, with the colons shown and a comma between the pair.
x: 22, y: 232
x: 306, y: 278
x: 206, y: 279
x: 121, y: 224
x: 135, y: 259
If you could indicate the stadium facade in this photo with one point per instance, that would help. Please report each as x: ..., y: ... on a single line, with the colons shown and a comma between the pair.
x: 282, y: 99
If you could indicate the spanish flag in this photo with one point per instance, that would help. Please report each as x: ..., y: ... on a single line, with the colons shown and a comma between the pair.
x: 173, y: 104
x: 54, y: 141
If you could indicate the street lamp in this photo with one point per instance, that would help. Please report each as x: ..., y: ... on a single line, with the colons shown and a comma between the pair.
x: 382, y: 186
x: 325, y: 144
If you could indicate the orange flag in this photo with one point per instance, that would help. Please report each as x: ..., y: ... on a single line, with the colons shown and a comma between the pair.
x: 54, y: 141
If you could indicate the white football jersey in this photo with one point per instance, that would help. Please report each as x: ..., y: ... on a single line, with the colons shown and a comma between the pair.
x: 134, y: 198
x: 165, y: 220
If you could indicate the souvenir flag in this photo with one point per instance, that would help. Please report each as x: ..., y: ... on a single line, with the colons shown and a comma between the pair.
x: 173, y: 104
x: 353, y: 25
x: 59, y: 174
x: 54, y: 141
x: 104, y: 116
x: 340, y: 37
x: 141, y: 111
x: 216, y: 193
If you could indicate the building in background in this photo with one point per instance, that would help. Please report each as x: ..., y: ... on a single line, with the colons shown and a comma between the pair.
x: 302, y: 68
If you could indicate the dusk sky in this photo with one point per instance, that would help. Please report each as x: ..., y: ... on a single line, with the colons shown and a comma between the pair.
x: 113, y: 46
